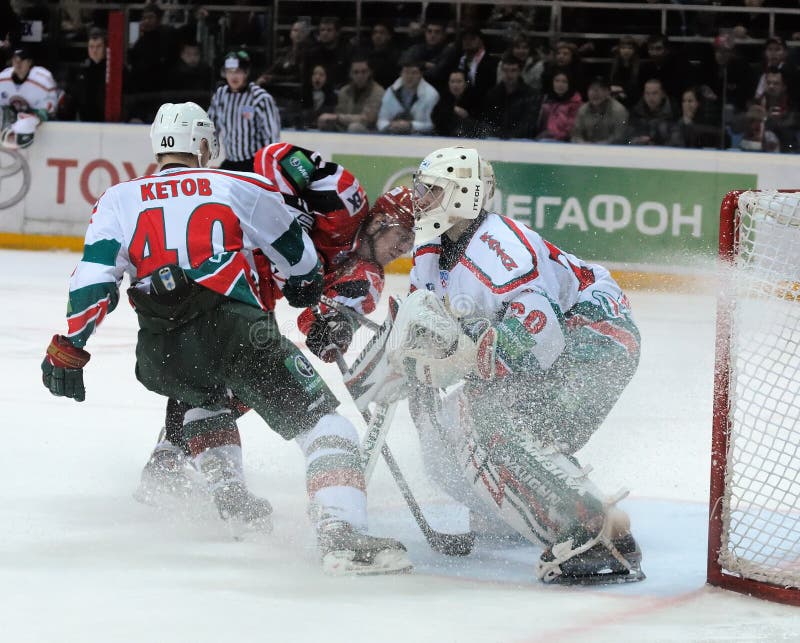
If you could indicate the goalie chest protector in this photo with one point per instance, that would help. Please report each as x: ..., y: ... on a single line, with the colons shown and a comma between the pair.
x: 498, y: 262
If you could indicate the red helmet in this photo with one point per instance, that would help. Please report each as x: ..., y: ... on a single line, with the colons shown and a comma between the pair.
x: 395, y: 207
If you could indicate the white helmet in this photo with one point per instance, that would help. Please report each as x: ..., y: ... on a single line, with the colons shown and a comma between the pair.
x: 452, y: 183
x: 179, y: 127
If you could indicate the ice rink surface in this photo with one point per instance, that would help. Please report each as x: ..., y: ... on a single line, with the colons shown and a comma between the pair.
x: 81, y: 561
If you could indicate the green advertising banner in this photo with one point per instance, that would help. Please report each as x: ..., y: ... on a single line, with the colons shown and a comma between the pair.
x: 602, y: 213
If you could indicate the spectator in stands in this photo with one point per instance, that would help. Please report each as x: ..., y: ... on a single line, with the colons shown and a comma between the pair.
x: 153, y: 52
x: 243, y: 27
x: 331, y: 51
x: 780, y: 112
x: 383, y: 54
x: 285, y: 76
x: 507, y: 15
x: 456, y: 113
x: 757, y: 137
x: 688, y: 130
x: 651, y: 117
x: 520, y: 48
x: 668, y: 64
x: 624, y: 76
x: 357, y: 103
x: 726, y: 82
x: 746, y: 25
x: 407, y: 105
x: 602, y: 119
x: 510, y: 107
x: 775, y: 55
x: 88, y: 92
x: 559, y: 110
x: 190, y: 78
x: 477, y: 63
x: 567, y: 60
x: 319, y: 97
x: 435, y: 53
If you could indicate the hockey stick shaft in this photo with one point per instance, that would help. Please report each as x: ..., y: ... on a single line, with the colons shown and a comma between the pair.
x: 377, y: 423
x: 350, y: 313
x: 378, y: 426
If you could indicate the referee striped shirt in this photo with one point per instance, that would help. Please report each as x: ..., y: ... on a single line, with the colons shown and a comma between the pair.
x: 247, y: 120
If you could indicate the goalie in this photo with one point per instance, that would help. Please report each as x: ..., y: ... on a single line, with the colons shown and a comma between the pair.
x: 541, y: 345
x: 28, y: 97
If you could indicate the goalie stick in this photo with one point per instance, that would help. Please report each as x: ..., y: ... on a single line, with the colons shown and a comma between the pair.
x: 377, y: 428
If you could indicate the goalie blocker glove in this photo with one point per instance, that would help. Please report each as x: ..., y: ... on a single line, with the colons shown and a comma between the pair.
x: 62, y: 369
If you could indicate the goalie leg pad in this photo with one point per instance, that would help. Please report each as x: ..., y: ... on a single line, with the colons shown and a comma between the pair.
x: 440, y: 434
x: 372, y: 378
x: 537, y: 490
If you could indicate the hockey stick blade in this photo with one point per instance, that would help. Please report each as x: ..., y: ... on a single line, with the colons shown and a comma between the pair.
x: 447, y: 544
x: 452, y: 544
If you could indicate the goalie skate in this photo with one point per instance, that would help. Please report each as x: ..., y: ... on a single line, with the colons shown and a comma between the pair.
x: 346, y: 552
x: 582, y: 560
x: 167, y: 478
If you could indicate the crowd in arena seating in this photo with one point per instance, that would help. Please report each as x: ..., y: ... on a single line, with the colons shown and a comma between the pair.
x: 427, y: 75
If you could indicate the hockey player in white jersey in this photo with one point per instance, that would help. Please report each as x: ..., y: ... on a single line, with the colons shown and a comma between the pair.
x: 186, y: 237
x: 27, y: 98
x: 540, y: 345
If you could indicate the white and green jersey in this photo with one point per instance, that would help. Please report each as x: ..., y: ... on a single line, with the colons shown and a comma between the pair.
x: 34, y: 95
x: 532, y: 292
x: 207, y: 221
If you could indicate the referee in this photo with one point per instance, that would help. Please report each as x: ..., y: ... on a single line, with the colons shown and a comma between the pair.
x: 244, y: 114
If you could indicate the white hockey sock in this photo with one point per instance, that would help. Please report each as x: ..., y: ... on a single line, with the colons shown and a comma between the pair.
x: 220, y: 465
x: 334, y: 477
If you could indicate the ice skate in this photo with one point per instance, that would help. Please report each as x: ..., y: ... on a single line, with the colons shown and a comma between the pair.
x: 597, y: 564
x: 347, y: 552
x: 241, y: 508
x: 167, y: 476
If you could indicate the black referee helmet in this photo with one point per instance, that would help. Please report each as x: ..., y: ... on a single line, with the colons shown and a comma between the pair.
x: 239, y: 59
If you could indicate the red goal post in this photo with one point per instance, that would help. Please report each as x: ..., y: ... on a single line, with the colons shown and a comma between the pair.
x: 754, y: 512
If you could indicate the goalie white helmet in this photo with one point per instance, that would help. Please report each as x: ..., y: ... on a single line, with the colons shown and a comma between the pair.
x: 180, y: 127
x: 452, y: 183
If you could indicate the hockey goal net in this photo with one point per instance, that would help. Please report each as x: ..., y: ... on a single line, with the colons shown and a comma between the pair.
x: 754, y: 529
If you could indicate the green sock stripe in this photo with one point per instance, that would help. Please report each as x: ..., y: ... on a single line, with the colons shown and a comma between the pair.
x: 333, y: 442
x: 333, y: 462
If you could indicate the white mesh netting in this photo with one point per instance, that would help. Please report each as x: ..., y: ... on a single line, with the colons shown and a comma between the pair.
x: 761, y: 505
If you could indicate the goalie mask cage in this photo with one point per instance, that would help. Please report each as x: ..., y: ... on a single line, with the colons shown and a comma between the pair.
x: 754, y: 518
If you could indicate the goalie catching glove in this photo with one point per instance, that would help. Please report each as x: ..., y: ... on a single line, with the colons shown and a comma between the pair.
x: 62, y: 369
x: 437, y: 348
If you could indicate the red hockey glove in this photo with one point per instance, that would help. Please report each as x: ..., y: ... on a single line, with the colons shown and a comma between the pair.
x: 62, y: 369
x: 329, y: 335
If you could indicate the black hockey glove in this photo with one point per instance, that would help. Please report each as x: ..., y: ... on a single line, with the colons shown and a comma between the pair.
x: 62, y: 369
x: 329, y: 335
x: 305, y: 291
